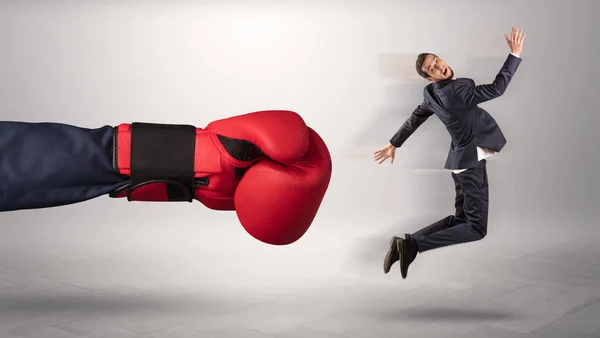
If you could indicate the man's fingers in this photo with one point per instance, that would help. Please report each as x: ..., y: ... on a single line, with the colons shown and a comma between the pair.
x: 518, y: 35
x: 380, y: 159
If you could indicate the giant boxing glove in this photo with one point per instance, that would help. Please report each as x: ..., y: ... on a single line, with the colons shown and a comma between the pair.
x: 268, y: 166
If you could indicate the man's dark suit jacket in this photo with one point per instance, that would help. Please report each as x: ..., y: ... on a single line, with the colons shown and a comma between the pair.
x: 455, y: 102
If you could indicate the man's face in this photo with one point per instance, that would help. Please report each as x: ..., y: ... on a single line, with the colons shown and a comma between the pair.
x: 437, y: 69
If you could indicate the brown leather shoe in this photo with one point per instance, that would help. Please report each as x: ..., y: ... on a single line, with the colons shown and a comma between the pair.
x: 392, y: 256
x: 408, y: 252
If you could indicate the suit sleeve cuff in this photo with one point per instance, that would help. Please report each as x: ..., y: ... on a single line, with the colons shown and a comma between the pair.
x: 515, y: 55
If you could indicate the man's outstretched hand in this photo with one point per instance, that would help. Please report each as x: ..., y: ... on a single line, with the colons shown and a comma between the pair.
x: 515, y: 42
x: 384, y: 153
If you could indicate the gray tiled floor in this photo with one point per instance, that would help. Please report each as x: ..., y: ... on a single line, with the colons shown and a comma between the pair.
x: 157, y: 279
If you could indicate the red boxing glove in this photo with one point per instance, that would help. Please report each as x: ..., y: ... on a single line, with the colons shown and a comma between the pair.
x: 268, y: 166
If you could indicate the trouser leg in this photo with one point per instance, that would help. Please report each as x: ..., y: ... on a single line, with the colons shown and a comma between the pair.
x: 472, y: 224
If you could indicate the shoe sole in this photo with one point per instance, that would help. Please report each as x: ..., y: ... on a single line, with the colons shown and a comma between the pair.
x: 388, y: 256
x: 400, y: 250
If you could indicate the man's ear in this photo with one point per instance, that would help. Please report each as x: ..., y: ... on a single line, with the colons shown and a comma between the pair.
x: 431, y: 79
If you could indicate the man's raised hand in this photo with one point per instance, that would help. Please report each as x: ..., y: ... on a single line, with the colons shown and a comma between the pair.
x: 515, y: 42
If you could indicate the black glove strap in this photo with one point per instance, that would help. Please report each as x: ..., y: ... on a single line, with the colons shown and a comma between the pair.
x: 164, y: 152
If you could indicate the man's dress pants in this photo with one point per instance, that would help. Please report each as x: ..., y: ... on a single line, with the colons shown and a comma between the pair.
x: 469, y: 223
x: 52, y: 164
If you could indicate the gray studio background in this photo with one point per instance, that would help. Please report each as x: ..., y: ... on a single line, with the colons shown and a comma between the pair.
x: 108, y: 268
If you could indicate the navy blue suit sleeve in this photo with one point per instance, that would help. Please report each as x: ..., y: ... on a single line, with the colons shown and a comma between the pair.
x: 418, y: 116
x: 472, y: 94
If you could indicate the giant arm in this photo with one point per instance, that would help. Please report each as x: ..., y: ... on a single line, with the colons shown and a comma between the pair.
x: 268, y: 166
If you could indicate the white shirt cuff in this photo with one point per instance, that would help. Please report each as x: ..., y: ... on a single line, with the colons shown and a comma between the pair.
x: 516, y: 55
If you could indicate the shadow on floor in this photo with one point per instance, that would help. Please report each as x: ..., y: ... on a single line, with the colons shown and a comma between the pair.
x: 84, y: 304
x: 447, y: 314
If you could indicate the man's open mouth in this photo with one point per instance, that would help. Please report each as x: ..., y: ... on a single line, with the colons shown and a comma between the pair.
x: 445, y: 71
